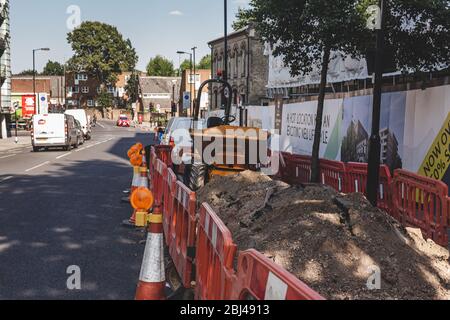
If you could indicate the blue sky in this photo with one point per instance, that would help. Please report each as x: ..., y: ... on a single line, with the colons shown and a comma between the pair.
x: 154, y: 26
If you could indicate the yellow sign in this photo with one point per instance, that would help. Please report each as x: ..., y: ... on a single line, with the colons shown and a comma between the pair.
x: 437, y: 160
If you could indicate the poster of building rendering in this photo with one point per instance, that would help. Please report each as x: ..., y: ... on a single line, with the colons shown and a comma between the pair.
x: 356, y: 129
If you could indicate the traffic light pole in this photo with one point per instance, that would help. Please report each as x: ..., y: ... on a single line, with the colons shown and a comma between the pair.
x: 373, y: 180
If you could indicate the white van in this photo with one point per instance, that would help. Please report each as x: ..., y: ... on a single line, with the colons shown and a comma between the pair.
x: 54, y: 131
x: 82, y: 117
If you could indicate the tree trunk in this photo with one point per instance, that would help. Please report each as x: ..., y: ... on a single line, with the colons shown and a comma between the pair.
x: 315, y: 174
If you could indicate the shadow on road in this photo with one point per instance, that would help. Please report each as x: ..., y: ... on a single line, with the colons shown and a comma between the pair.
x: 69, y: 216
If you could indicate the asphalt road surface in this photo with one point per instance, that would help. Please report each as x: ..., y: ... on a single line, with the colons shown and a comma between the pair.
x: 61, y: 209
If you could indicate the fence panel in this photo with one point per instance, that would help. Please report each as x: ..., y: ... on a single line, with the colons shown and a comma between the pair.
x: 422, y: 203
x: 158, y: 183
x: 356, y: 181
x: 333, y: 174
x: 295, y: 169
x: 261, y: 279
x: 214, y: 257
x: 170, y: 182
x: 164, y: 153
x: 183, y: 232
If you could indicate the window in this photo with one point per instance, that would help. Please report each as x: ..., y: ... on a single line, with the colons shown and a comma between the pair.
x: 90, y: 103
x: 76, y: 89
x: 82, y: 77
x: 111, y: 89
x: 84, y: 89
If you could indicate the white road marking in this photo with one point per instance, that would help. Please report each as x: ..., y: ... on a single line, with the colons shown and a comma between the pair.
x: 64, y: 155
x: 38, y: 166
x: 101, y: 125
x: 8, y: 156
x: 6, y: 179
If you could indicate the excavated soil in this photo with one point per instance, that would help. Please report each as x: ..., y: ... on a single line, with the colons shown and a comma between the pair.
x: 332, y: 242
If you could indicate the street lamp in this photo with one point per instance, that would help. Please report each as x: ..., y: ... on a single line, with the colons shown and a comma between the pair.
x: 34, y: 76
x: 195, y: 74
x: 375, y: 140
x: 190, y: 57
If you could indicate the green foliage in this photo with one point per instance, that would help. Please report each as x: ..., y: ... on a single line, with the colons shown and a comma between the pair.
x: 205, y: 62
x: 185, y: 65
x: 160, y: 66
x: 53, y: 68
x: 28, y: 72
x: 243, y: 19
x: 132, y: 87
x: 100, y: 50
x: 104, y: 99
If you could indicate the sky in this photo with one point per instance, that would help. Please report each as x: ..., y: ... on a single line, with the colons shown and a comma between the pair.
x: 153, y: 26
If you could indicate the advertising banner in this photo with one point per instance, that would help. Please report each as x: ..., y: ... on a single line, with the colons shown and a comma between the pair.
x: 298, y: 128
x: 28, y: 106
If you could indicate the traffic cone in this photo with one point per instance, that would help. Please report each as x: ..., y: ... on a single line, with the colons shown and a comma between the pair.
x: 152, y: 279
x: 136, y: 179
x: 144, y: 177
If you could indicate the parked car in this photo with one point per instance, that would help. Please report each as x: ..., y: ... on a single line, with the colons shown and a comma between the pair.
x: 54, y: 131
x: 124, y: 121
x: 178, y: 135
x: 79, y: 132
x: 82, y: 117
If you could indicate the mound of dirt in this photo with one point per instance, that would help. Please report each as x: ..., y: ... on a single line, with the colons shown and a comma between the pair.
x: 334, y: 243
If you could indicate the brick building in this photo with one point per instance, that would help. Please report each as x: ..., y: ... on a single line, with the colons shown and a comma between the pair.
x: 189, y: 85
x: 247, y: 67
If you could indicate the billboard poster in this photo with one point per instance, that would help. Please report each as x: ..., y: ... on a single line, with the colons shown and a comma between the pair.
x: 298, y: 128
x: 28, y: 106
x: 357, y: 126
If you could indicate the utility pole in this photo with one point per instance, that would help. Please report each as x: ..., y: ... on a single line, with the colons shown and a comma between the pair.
x: 373, y: 180
x: 195, y: 76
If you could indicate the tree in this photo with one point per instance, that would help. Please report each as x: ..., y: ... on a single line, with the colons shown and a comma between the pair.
x: 243, y: 19
x: 185, y: 65
x: 100, y: 50
x: 160, y: 66
x: 132, y: 87
x: 205, y: 62
x: 53, y: 68
x: 305, y: 32
x: 104, y: 100
x: 28, y: 72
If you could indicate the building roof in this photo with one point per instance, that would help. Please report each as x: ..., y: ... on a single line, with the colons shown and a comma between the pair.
x: 231, y: 35
x: 159, y: 84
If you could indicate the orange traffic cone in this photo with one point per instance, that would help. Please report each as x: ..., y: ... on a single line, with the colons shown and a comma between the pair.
x: 136, y: 179
x: 144, y: 177
x: 152, y: 279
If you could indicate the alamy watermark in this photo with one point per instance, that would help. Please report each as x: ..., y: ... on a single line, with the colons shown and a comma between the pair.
x: 74, y: 19
x: 74, y: 279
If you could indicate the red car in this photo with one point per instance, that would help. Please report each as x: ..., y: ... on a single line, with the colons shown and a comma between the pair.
x: 124, y: 121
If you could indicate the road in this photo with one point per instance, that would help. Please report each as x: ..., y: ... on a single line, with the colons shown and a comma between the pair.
x: 60, y: 209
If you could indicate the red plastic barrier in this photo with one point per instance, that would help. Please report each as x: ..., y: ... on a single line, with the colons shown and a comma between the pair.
x: 160, y: 171
x: 357, y: 182
x: 164, y: 153
x: 182, y: 232
x: 261, y: 279
x: 295, y: 169
x: 152, y: 166
x: 170, y: 183
x: 214, y: 257
x: 333, y: 174
x: 422, y: 203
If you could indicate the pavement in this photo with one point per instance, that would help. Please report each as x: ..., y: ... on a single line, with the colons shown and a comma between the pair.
x: 10, y: 144
x: 62, y: 209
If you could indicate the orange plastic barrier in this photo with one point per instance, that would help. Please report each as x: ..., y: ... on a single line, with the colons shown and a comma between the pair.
x: 214, y: 257
x: 164, y: 153
x: 170, y: 183
x: 422, y: 203
x: 261, y: 279
x: 357, y: 182
x: 183, y: 232
x: 296, y: 169
x: 333, y: 174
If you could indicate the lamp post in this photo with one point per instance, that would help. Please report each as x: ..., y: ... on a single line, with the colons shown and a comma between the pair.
x: 195, y: 74
x: 373, y: 179
x: 34, y: 77
x: 190, y: 59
